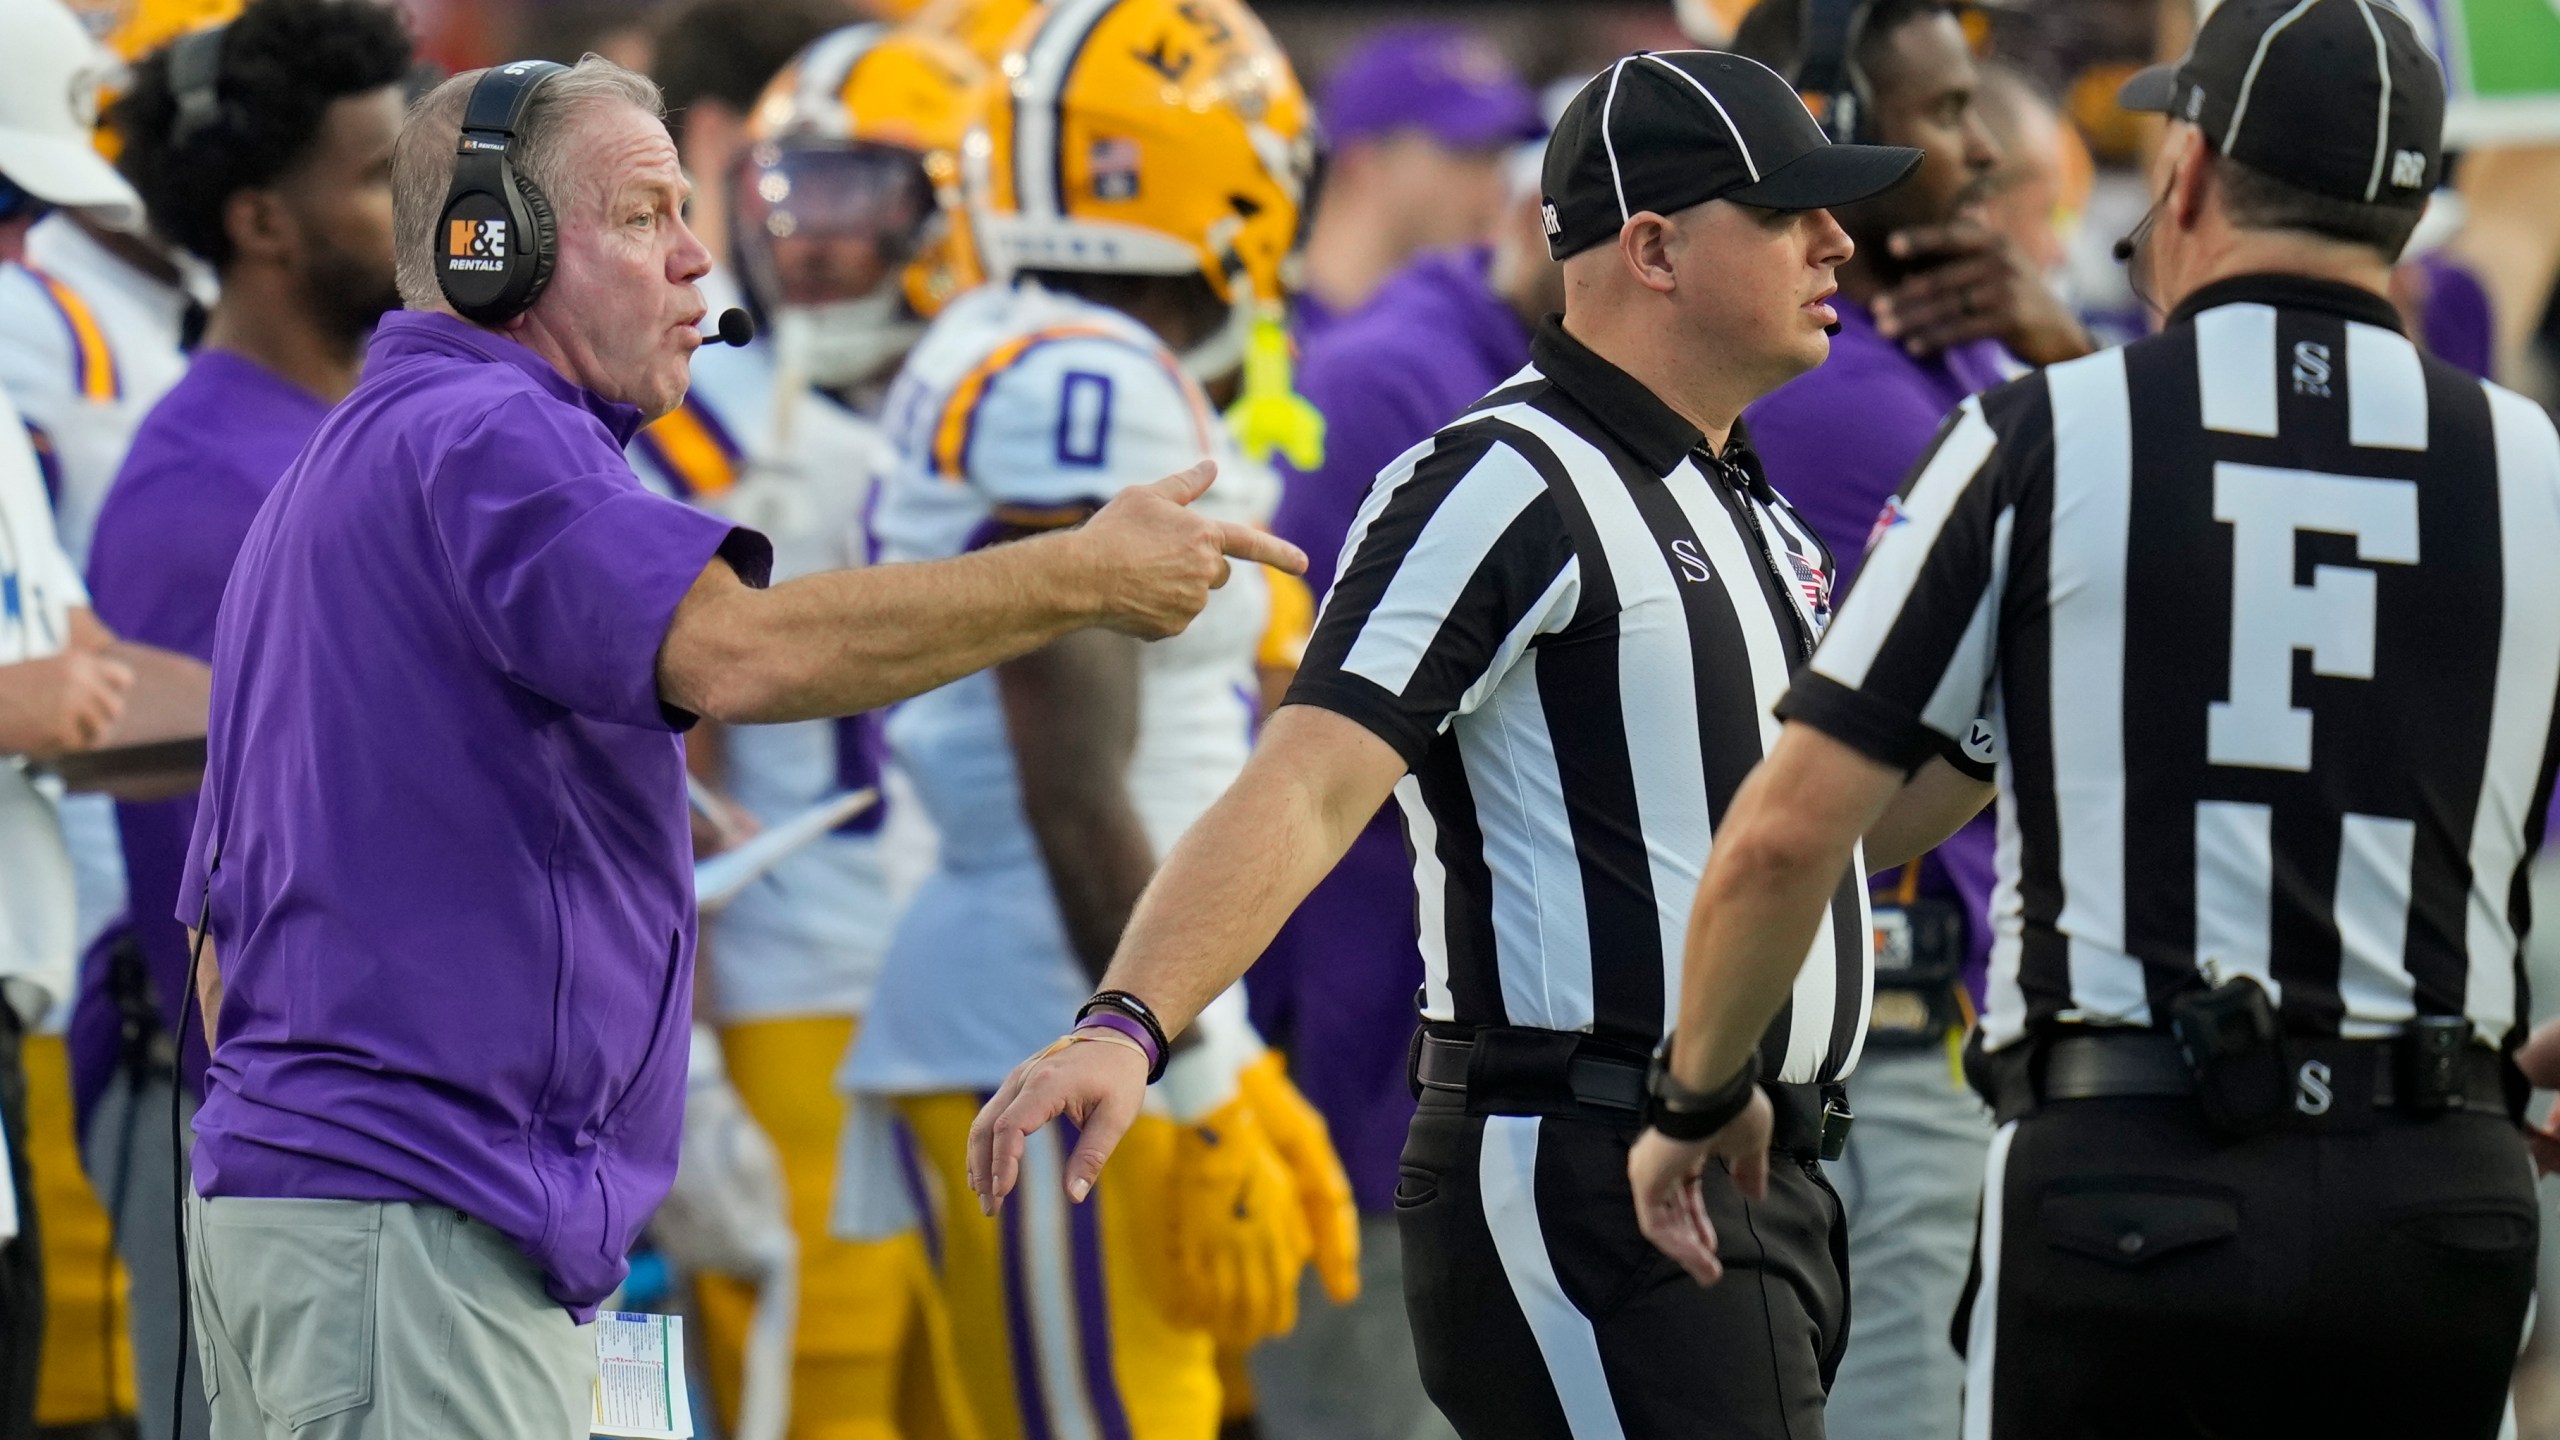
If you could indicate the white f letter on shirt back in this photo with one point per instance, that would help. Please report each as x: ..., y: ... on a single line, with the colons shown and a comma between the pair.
x: 2271, y: 616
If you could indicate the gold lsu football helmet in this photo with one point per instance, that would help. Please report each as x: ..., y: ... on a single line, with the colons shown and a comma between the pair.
x: 849, y: 227
x: 1157, y: 137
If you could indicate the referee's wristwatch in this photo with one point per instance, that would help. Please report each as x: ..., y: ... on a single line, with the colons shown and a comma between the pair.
x: 1692, y: 1115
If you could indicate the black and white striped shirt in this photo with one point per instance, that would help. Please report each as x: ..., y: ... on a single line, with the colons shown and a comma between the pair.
x: 2268, y: 607
x: 1572, y: 620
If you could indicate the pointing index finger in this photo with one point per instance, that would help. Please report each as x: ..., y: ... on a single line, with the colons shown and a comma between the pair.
x: 1246, y: 543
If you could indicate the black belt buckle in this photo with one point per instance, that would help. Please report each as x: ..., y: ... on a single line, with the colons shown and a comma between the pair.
x: 2429, y: 1055
x: 1837, y: 1117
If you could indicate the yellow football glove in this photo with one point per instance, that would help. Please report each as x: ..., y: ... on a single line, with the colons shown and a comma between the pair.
x: 1238, y: 1234
x: 1324, y: 1190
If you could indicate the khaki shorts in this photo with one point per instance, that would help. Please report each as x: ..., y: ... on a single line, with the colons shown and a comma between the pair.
x: 369, y: 1320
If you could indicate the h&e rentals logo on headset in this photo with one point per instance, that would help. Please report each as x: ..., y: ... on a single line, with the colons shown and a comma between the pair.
x: 478, y: 245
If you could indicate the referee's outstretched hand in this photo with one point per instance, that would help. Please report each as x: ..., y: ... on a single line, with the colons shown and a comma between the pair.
x: 1667, y: 1176
x: 1093, y: 1078
x: 1157, y: 559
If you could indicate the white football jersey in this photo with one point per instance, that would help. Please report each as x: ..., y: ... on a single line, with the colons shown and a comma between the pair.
x: 808, y: 938
x: 39, y: 588
x: 1022, y: 408
x: 88, y: 345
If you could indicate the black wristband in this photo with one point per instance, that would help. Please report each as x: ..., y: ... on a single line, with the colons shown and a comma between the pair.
x: 1124, y: 1003
x: 1691, y: 1115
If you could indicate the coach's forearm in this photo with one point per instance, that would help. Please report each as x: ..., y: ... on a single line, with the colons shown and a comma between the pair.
x: 1778, y: 856
x: 846, y: 641
x: 1240, y: 870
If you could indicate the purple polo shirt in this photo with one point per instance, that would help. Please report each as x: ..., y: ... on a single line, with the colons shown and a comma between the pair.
x: 1839, y: 441
x: 1339, y: 980
x: 200, y: 466
x: 443, y: 819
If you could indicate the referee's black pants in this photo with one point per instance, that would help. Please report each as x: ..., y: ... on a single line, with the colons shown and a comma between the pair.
x: 1540, y: 1311
x: 2140, y: 1278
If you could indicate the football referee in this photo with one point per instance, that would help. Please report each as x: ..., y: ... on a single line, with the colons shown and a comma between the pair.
x: 1556, y: 636
x: 2265, y: 607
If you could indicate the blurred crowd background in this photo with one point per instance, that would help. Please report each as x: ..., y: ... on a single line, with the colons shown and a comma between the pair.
x: 2073, y: 53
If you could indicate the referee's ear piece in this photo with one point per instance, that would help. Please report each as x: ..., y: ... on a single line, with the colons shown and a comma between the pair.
x: 495, y: 239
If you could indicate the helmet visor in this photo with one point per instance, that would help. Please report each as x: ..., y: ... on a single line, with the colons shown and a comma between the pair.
x: 819, y: 226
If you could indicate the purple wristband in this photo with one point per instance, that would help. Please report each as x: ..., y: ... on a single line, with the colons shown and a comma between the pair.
x: 1120, y: 1024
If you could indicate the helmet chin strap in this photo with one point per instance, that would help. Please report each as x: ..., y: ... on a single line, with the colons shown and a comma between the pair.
x: 841, y: 344
x: 1219, y: 356
x: 1269, y: 415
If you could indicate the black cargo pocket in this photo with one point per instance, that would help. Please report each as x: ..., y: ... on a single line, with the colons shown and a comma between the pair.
x: 2134, y: 1225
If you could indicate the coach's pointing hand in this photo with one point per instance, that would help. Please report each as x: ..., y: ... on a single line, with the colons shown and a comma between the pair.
x: 1157, y: 560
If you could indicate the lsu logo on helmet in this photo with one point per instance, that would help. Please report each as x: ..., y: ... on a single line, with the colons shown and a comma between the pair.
x: 1153, y: 137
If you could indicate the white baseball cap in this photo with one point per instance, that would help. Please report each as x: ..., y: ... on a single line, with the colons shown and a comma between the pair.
x: 51, y: 73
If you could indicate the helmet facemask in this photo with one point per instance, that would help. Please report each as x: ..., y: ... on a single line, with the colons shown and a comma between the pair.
x: 829, y: 241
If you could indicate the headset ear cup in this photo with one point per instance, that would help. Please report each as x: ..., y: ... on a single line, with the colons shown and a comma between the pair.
x: 541, y: 230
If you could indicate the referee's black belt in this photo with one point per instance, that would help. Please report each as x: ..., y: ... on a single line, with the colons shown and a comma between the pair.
x: 2332, y: 1076
x: 1515, y: 1070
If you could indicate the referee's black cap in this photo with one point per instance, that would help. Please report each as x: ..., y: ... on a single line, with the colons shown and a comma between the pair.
x: 1663, y: 131
x: 2339, y: 97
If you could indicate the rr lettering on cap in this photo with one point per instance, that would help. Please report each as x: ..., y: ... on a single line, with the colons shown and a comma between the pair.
x: 1547, y: 217
x: 2408, y: 169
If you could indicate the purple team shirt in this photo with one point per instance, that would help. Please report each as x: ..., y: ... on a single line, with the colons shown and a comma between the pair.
x: 199, y: 468
x: 443, y: 821
x: 1838, y: 442
x: 1339, y: 980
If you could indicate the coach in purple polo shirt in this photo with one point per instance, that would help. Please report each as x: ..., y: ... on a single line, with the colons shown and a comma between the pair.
x: 441, y: 850
x: 1925, y: 306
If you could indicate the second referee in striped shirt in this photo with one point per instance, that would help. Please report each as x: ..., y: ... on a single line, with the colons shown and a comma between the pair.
x: 1558, y: 632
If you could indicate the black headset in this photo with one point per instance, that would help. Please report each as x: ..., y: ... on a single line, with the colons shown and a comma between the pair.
x: 1827, y: 67
x: 493, y: 244
x: 195, y: 82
